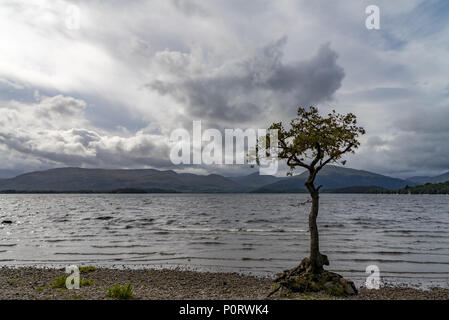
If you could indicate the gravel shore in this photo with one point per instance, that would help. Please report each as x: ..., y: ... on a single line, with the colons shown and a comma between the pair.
x: 37, y: 283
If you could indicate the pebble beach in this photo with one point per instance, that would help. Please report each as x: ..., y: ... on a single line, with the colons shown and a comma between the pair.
x: 32, y: 283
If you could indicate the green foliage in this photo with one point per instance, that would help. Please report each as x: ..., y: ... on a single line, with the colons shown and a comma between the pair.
x: 13, y: 282
x: 85, y: 282
x: 59, y: 282
x: 87, y: 269
x: 312, y: 141
x: 120, y: 292
x: 40, y: 288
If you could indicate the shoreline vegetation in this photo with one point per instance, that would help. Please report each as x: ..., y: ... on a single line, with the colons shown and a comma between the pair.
x: 428, y: 188
x: 101, y: 283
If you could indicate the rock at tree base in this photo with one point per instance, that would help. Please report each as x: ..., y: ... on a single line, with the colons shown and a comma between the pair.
x: 301, y: 279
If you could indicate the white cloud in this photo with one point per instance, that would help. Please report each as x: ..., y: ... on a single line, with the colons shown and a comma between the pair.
x: 55, y: 130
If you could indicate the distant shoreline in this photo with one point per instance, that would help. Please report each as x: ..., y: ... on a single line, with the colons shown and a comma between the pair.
x: 142, y: 191
x: 41, y: 284
x: 117, y: 191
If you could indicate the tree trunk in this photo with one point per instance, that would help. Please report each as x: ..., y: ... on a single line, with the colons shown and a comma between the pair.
x: 316, y: 258
x: 316, y: 262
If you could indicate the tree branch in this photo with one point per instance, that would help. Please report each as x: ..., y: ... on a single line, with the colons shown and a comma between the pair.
x: 318, y: 156
x: 332, y: 158
x: 293, y: 156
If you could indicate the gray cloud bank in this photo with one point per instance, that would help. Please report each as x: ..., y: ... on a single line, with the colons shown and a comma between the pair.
x: 110, y: 93
x: 242, y: 91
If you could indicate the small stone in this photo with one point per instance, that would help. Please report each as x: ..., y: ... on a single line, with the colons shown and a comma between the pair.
x: 6, y: 222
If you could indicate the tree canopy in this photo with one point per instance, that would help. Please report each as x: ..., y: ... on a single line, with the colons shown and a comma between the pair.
x: 312, y: 141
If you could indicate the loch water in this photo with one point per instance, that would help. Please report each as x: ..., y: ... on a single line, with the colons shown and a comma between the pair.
x: 406, y: 236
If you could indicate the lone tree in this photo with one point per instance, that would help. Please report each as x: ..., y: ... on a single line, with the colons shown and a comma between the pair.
x: 311, y: 142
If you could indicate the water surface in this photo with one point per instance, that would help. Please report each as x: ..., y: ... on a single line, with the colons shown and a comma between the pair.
x: 406, y: 236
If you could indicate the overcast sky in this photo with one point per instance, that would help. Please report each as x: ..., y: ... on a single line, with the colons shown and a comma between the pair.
x: 110, y: 93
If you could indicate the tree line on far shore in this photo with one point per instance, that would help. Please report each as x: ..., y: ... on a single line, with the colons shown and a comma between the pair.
x: 428, y: 188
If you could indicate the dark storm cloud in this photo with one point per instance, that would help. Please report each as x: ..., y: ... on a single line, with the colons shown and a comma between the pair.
x: 310, y: 81
x: 238, y: 92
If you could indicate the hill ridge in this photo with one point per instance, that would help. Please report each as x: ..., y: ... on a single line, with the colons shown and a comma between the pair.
x: 99, y: 179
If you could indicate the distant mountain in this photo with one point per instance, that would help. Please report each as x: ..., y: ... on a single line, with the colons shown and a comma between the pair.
x: 77, y: 179
x: 333, y: 177
x: 255, y: 180
x: 151, y: 180
x: 436, y: 179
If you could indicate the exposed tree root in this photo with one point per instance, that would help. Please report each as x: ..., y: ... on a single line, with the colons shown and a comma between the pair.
x: 302, y: 279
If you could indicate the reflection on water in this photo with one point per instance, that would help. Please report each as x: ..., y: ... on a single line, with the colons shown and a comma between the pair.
x: 407, y: 236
